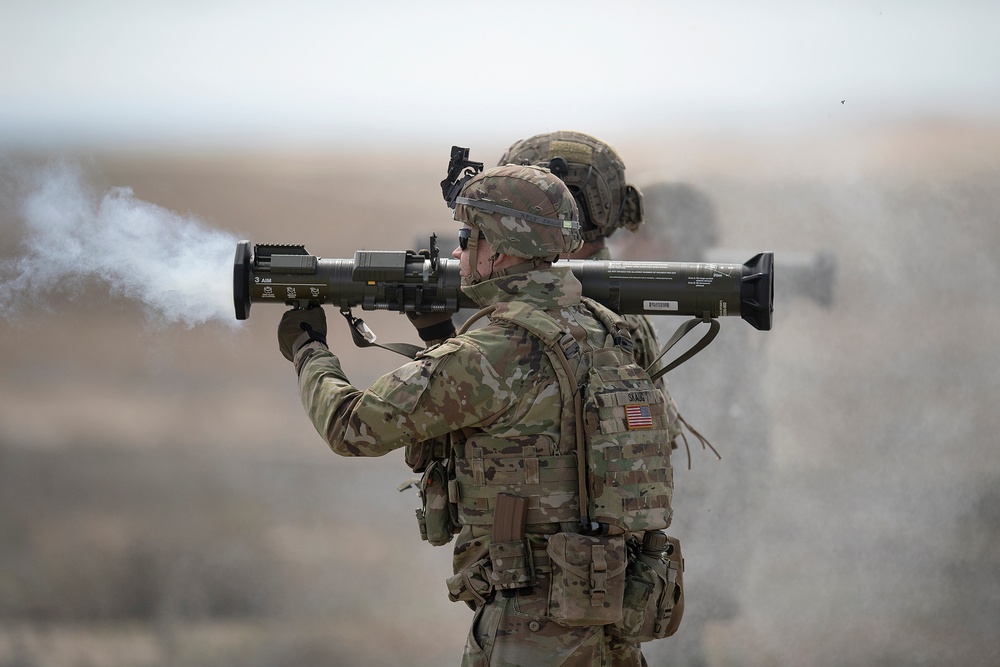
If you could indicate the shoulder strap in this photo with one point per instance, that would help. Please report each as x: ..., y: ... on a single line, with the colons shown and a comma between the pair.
x: 682, y: 330
x: 363, y: 336
x: 616, y: 325
x: 559, y: 346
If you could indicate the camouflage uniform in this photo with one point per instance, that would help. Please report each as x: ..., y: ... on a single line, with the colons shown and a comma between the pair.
x: 495, y: 398
x: 495, y: 380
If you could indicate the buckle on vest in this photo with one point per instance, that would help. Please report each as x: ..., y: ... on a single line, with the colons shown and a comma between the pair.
x: 598, y: 576
x: 569, y: 345
x: 625, y: 343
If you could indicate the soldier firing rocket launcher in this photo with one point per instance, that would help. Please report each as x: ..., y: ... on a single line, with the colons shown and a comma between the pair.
x: 406, y: 281
x: 412, y: 282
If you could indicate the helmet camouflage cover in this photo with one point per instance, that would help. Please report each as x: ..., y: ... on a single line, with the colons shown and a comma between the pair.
x: 594, y: 173
x: 522, y: 210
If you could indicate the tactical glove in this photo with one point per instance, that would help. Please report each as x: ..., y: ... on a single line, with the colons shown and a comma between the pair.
x: 432, y: 326
x: 298, y: 327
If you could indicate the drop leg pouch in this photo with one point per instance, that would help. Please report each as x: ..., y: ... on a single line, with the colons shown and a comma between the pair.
x: 654, y: 596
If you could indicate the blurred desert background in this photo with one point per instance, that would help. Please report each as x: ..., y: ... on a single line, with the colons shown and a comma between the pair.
x: 164, y: 501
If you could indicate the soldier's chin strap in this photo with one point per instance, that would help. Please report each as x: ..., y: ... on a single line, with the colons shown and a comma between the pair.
x: 682, y: 330
x: 522, y: 267
x: 364, y: 337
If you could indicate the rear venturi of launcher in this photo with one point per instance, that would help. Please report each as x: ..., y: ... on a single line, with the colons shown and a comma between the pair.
x: 405, y: 281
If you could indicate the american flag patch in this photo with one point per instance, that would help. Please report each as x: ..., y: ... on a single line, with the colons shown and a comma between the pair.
x: 637, y: 416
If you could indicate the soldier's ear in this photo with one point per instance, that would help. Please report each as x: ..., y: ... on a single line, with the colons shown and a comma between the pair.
x: 502, y: 261
x: 632, y: 209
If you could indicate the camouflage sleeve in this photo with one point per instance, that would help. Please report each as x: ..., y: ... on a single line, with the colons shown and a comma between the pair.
x: 445, y: 389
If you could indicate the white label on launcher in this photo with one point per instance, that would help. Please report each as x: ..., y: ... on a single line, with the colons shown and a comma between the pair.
x: 659, y: 305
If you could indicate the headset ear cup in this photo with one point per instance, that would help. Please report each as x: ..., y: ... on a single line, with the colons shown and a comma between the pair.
x: 632, y: 208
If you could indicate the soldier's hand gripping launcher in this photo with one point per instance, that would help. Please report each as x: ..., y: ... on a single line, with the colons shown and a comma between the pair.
x: 406, y: 281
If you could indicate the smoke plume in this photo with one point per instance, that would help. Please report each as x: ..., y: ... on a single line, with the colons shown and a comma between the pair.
x: 69, y: 239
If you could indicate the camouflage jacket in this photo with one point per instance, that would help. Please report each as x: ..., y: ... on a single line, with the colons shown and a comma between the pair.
x: 495, y: 380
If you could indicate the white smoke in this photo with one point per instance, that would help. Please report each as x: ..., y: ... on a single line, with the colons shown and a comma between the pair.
x: 71, y: 237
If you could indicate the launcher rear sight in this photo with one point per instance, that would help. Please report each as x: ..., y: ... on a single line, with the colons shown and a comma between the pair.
x: 407, y: 281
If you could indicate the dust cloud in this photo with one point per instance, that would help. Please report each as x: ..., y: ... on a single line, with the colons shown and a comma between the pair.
x: 853, y: 519
x: 68, y: 240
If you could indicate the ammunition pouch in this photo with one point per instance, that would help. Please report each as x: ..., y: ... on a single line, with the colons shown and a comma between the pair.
x: 436, y: 516
x: 512, y: 566
x: 588, y: 579
x: 510, y: 553
x: 654, y: 594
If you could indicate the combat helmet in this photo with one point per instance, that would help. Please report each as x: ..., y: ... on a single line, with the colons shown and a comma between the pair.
x: 522, y: 210
x: 594, y: 173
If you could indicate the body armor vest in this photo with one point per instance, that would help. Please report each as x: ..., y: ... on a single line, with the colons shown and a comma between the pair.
x: 614, y: 445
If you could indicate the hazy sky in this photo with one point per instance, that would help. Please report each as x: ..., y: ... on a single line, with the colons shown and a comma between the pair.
x: 225, y: 70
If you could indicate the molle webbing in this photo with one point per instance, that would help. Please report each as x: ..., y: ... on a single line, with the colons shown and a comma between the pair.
x: 612, y: 407
x: 618, y: 440
x: 547, y: 483
x: 628, y: 433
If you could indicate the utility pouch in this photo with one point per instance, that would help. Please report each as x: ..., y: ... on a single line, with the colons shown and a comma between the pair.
x: 654, y: 592
x: 588, y: 579
x: 473, y: 585
x: 436, y: 516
